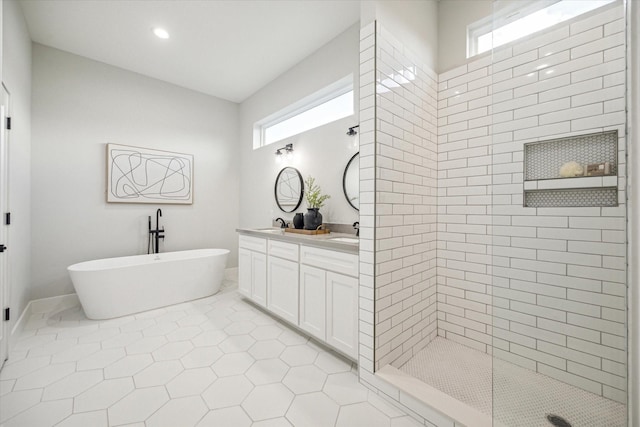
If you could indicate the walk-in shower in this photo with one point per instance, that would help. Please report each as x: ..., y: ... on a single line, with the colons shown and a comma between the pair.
x: 498, y: 280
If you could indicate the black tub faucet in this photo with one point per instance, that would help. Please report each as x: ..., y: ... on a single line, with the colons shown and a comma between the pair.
x: 356, y: 225
x: 157, y: 234
x: 283, y: 224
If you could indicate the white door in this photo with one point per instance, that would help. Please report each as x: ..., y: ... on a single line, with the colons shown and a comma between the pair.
x: 4, y: 191
x: 259, y: 278
x: 282, y: 288
x: 244, y: 272
x: 313, y: 301
x: 342, y: 313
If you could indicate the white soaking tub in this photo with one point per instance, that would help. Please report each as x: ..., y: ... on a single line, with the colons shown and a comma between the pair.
x: 115, y: 287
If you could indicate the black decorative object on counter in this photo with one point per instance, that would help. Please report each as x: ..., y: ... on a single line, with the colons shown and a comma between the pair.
x: 315, y: 200
x: 312, y: 219
x: 298, y: 220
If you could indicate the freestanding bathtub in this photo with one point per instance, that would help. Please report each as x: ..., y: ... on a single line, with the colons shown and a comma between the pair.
x: 115, y: 287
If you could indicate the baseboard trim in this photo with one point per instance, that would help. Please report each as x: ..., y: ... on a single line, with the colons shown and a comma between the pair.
x: 61, y: 302
x: 42, y: 305
x: 231, y: 274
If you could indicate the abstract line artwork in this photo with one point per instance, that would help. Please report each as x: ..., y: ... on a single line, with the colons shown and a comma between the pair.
x: 143, y: 175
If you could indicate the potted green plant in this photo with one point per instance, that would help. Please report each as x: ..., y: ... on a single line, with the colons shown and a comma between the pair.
x: 315, y: 200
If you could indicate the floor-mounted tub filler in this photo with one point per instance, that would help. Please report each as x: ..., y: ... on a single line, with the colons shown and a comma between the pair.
x: 115, y: 287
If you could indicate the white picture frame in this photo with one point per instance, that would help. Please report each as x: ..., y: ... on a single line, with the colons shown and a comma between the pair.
x: 145, y: 175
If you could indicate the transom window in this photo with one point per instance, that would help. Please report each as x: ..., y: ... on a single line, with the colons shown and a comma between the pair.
x: 525, y: 18
x: 325, y: 106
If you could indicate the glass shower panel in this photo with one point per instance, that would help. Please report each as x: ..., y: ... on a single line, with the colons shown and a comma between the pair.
x: 557, y: 214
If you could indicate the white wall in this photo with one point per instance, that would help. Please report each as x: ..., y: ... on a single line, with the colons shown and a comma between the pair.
x: 322, y: 152
x: 16, y: 75
x: 79, y: 106
x: 453, y: 18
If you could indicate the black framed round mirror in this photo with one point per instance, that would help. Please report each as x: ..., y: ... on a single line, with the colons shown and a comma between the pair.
x: 351, y: 181
x: 288, y: 189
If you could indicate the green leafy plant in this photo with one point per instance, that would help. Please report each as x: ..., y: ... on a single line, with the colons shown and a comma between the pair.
x: 314, y: 196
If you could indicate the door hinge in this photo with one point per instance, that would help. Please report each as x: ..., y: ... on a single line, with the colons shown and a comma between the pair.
x: 8, y: 123
x: 7, y: 314
x: 7, y: 218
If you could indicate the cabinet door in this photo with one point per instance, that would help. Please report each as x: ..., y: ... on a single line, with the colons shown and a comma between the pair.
x: 313, y: 299
x: 342, y: 313
x: 282, y: 288
x: 259, y: 278
x: 244, y: 272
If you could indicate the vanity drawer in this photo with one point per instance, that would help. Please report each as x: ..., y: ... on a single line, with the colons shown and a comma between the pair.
x: 339, y: 262
x: 253, y: 243
x: 283, y: 250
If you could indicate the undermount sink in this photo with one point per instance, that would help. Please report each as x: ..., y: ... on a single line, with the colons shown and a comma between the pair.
x: 345, y: 239
x: 271, y: 230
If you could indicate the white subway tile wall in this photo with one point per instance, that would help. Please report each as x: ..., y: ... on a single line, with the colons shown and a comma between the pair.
x: 370, y: 108
x: 367, y: 196
x: 406, y: 198
x: 543, y: 288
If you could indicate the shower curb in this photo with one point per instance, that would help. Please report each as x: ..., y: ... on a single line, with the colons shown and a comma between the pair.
x: 424, y: 394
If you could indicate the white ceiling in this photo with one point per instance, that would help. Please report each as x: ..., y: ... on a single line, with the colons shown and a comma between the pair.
x: 225, y: 48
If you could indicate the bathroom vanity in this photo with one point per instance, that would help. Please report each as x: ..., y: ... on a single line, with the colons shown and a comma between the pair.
x: 309, y: 281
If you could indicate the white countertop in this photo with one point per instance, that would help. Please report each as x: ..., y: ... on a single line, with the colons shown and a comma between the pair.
x: 326, y: 241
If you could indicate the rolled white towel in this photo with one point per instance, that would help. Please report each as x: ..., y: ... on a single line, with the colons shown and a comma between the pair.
x: 570, y: 169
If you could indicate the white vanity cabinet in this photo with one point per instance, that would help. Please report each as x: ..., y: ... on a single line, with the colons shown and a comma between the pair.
x: 252, y: 268
x: 329, y: 297
x: 282, y: 280
x: 313, y: 288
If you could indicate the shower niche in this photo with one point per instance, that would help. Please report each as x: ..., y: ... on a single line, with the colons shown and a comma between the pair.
x: 596, y: 155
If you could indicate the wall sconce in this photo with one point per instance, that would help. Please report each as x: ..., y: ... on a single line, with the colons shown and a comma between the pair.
x: 288, y: 152
x: 353, y: 132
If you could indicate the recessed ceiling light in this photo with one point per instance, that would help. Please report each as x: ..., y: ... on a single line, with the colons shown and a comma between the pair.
x: 161, y: 33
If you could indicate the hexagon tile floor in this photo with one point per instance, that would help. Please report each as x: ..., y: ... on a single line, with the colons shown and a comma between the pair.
x: 214, y: 362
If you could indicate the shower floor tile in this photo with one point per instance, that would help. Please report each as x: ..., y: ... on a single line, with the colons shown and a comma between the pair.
x: 217, y: 361
x: 518, y: 397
